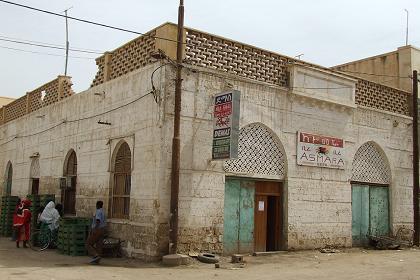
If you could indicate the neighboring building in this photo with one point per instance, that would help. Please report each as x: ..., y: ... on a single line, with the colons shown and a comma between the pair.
x: 392, y: 69
x: 5, y: 100
x: 324, y: 158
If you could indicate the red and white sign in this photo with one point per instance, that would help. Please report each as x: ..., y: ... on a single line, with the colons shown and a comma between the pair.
x: 321, y: 151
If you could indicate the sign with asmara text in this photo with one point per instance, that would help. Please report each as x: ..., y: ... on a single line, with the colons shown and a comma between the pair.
x: 321, y: 151
x: 226, y: 125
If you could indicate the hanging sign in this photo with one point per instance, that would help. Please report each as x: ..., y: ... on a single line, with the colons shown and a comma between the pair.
x: 226, y: 125
x: 321, y: 151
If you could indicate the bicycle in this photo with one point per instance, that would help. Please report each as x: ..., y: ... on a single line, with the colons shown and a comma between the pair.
x: 42, y: 238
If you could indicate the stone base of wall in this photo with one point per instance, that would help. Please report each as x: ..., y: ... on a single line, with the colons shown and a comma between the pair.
x: 139, y: 241
x: 205, y: 239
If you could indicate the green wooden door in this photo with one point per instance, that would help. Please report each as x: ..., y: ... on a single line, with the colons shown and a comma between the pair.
x: 379, y: 211
x: 238, y: 227
x: 360, y: 214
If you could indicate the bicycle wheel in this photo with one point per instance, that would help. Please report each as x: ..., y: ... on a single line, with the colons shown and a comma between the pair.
x: 39, y: 242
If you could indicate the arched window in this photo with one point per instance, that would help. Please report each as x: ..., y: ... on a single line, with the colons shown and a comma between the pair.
x: 68, y: 194
x: 121, y: 182
x: 9, y: 179
x: 34, y: 176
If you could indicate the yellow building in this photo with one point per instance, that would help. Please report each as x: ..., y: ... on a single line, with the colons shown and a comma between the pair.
x: 5, y: 100
x: 391, y: 69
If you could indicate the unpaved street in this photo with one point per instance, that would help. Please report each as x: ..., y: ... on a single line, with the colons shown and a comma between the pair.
x: 350, y: 264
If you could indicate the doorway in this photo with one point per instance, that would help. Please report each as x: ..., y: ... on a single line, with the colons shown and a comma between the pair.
x: 35, y: 186
x: 268, y: 216
x: 68, y: 194
x: 370, y: 212
x: 252, y: 216
x: 9, y: 179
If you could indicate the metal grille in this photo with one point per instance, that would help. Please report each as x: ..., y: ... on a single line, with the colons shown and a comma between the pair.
x: 259, y: 153
x: 35, y: 168
x: 370, y: 165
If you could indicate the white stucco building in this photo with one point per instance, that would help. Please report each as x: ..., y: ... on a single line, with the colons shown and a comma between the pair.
x: 113, y: 142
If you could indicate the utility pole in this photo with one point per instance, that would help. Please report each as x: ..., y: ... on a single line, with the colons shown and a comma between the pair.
x: 67, y: 42
x: 173, y: 223
x: 406, y: 30
x: 415, y: 159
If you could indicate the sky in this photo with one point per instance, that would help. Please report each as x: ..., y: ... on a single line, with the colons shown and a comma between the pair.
x: 326, y: 32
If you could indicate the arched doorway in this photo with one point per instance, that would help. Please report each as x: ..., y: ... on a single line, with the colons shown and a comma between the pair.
x: 254, y: 190
x: 34, y: 176
x: 121, y: 182
x: 370, y: 180
x: 68, y: 194
x: 9, y: 179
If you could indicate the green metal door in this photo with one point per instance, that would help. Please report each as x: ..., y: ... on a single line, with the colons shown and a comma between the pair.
x: 238, y: 236
x: 246, y: 217
x: 360, y: 214
x: 231, y: 217
x: 379, y: 211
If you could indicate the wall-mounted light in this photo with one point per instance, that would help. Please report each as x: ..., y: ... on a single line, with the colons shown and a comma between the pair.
x: 105, y: 123
x: 40, y: 116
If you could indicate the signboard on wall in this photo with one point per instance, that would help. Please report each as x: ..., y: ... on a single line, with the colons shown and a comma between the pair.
x: 321, y: 151
x: 226, y: 125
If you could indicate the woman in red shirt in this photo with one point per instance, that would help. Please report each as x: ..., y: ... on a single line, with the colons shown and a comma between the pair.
x: 22, y: 223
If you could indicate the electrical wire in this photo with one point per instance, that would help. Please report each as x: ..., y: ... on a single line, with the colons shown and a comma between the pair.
x: 76, y: 120
x: 46, y: 46
x: 42, y: 53
x: 50, y: 44
x: 87, y: 21
x: 373, y: 74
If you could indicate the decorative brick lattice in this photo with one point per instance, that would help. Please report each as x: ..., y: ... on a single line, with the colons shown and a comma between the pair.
x: 132, y: 56
x: 100, y: 75
x: 67, y: 90
x: 259, y: 153
x: 50, y: 90
x: 1, y: 115
x: 54, y: 91
x: 218, y: 53
x: 15, y: 109
x: 370, y: 165
x: 232, y: 57
x: 381, y: 97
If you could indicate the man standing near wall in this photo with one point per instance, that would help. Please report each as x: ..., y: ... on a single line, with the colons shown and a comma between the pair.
x: 95, y: 240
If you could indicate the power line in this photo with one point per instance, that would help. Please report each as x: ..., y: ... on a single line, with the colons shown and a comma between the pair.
x: 86, y: 21
x: 76, y: 120
x: 372, y: 74
x: 42, y: 53
x: 50, y: 44
x: 46, y: 46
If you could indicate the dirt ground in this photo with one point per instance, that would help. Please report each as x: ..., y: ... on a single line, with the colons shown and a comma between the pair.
x: 347, y: 264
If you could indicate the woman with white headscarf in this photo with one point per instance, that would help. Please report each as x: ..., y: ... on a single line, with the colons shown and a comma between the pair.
x: 50, y: 216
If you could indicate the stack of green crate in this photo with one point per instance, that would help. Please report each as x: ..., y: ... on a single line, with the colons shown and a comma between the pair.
x: 72, y: 236
x: 34, y: 211
x: 8, y: 206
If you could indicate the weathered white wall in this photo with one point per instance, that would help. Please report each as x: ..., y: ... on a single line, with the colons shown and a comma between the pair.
x: 318, y: 200
x: 138, y: 124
